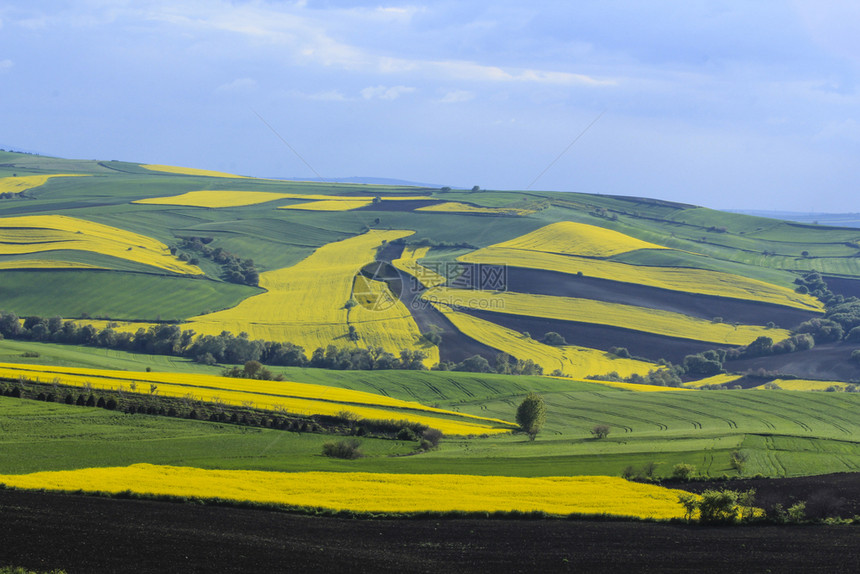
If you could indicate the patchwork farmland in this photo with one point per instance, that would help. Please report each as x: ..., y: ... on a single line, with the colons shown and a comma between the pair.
x: 201, y: 330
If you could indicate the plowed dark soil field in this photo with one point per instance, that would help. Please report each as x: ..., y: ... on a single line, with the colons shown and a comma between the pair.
x: 97, y: 535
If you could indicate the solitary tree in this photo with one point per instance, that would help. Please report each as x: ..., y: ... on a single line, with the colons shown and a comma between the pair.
x: 531, y: 414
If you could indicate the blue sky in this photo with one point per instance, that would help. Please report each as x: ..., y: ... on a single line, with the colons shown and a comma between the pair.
x: 748, y: 105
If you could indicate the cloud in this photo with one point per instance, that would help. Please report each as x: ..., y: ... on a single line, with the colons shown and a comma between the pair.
x: 324, y: 96
x: 6, y: 64
x: 457, y: 96
x: 238, y: 85
x: 847, y: 130
x: 385, y: 93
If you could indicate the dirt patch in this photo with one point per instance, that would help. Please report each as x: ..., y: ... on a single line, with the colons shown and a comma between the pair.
x: 830, y: 362
x: 843, y: 286
x: 399, y: 205
x: 601, y: 337
x: 94, y: 535
x: 825, y: 495
x: 703, y: 306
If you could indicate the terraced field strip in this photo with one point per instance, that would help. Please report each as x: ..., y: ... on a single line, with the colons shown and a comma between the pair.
x: 700, y: 281
x: 374, y: 492
x: 571, y: 238
x: 40, y: 233
x: 44, y: 264
x: 456, y: 207
x: 296, y: 398
x: 17, y: 184
x: 306, y: 304
x: 630, y: 317
x: 575, y: 362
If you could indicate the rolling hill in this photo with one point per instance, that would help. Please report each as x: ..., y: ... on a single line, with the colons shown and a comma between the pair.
x: 429, y: 307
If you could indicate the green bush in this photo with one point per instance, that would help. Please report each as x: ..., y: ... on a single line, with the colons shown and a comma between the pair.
x: 349, y: 449
x: 683, y: 471
x: 718, y: 507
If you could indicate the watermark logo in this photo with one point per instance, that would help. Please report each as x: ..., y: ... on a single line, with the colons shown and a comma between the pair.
x: 377, y: 287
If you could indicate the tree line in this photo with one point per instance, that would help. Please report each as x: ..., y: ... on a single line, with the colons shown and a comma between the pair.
x: 226, y: 348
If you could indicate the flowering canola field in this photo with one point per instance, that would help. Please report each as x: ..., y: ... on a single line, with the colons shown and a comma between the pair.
x: 295, y: 398
x: 40, y: 233
x: 408, y: 263
x: 371, y: 492
x: 806, y: 385
x: 216, y: 198
x: 189, y: 171
x: 671, y: 278
x: 572, y: 361
x: 571, y: 238
x: 330, y: 205
x: 306, y: 304
x: 654, y: 321
x: 17, y: 184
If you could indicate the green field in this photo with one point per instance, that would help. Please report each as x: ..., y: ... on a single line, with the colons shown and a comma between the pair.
x: 780, y: 433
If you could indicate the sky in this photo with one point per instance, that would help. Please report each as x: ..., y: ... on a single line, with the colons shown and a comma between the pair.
x: 726, y: 104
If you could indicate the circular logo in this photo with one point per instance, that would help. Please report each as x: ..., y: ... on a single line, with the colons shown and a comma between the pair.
x: 378, y: 286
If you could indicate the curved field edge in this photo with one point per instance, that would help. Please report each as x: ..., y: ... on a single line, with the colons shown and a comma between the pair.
x: 294, y: 398
x: 374, y: 493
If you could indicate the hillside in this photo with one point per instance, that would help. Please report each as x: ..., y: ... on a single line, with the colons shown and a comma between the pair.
x: 625, y: 282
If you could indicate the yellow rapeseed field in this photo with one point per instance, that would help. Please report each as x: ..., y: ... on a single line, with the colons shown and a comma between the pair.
x: 457, y: 207
x: 330, y: 205
x: 190, y: 171
x: 408, y: 263
x: 619, y: 315
x: 216, y: 198
x: 671, y: 278
x: 17, y: 184
x: 639, y: 388
x: 572, y: 361
x: 571, y: 238
x: 806, y: 385
x: 295, y: 398
x: 41, y: 233
x: 723, y: 379
x: 306, y: 304
x: 372, y: 492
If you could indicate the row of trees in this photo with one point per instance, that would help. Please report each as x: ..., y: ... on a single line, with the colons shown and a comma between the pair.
x: 226, y: 348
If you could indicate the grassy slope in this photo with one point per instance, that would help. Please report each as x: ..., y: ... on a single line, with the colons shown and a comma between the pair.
x: 782, y: 433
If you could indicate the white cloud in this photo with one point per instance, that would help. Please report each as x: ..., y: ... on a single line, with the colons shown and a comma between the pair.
x: 325, y: 96
x: 457, y: 96
x: 6, y: 64
x: 841, y: 131
x: 385, y: 93
x: 238, y: 85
